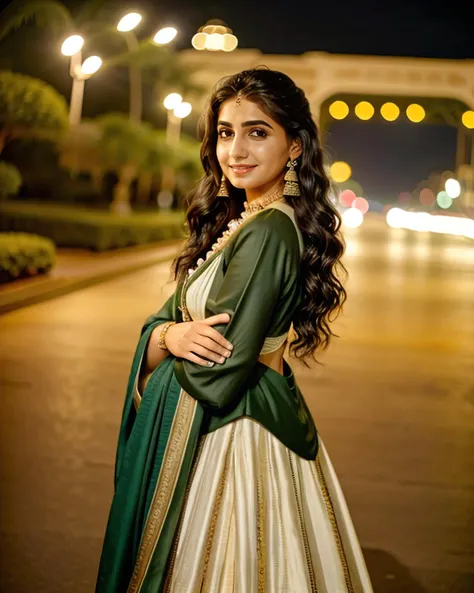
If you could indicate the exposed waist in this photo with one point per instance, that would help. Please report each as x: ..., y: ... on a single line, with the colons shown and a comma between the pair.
x: 272, y: 351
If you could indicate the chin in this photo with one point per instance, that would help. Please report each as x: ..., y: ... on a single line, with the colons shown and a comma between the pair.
x: 241, y: 183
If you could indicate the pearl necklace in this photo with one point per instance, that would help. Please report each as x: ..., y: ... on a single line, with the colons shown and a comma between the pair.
x: 249, y: 210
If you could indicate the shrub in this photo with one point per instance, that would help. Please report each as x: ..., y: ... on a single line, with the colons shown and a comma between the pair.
x: 10, y: 180
x: 81, y: 227
x: 22, y: 255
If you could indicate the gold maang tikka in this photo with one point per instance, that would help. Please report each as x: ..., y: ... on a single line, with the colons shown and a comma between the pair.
x: 238, y: 98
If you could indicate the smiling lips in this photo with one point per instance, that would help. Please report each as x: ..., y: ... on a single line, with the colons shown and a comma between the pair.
x: 242, y: 169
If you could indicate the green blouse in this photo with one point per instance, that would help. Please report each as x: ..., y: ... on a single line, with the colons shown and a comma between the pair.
x: 256, y: 279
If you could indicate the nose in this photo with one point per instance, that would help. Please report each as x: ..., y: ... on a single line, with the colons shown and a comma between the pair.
x: 238, y: 149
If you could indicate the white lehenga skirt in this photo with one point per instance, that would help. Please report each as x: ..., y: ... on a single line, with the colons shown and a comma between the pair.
x: 260, y: 519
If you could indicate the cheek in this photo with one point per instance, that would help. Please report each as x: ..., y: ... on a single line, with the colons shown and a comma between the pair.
x: 273, y: 156
x: 222, y: 154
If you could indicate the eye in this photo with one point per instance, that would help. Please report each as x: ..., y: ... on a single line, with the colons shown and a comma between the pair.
x: 258, y: 133
x: 224, y: 133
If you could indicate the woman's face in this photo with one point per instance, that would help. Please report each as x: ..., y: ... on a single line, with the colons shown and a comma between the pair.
x: 252, y: 149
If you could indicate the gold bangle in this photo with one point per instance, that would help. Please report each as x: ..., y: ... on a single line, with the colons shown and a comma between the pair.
x: 161, y: 339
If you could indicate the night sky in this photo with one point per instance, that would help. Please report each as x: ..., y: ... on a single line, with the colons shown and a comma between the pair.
x: 386, y: 158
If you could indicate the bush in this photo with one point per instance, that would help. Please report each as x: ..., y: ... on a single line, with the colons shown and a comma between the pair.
x: 10, y: 180
x: 98, y: 231
x: 25, y: 255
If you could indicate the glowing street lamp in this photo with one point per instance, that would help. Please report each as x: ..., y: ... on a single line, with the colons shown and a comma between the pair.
x: 129, y: 22
x: 182, y: 110
x: 126, y: 26
x: 165, y: 35
x: 72, y: 45
x: 90, y: 66
x: 172, y: 101
x: 80, y: 72
x: 177, y: 111
x: 215, y: 36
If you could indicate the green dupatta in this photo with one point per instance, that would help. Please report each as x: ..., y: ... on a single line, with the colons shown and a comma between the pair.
x: 155, y: 451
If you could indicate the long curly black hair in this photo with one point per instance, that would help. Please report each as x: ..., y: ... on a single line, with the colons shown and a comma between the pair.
x: 208, y: 214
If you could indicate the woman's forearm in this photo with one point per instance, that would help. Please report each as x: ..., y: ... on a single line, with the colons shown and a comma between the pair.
x: 154, y: 355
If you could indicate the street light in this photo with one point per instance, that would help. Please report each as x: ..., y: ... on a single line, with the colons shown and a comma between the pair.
x: 126, y: 26
x: 129, y: 22
x: 165, y: 35
x: 80, y: 72
x: 177, y: 111
x: 215, y: 36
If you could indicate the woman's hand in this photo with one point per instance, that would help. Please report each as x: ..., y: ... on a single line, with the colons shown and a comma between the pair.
x: 194, y: 340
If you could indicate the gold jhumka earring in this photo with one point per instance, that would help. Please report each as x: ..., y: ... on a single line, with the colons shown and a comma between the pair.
x: 292, y: 187
x: 223, y: 191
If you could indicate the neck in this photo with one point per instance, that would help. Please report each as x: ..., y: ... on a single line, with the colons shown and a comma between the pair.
x: 261, y: 192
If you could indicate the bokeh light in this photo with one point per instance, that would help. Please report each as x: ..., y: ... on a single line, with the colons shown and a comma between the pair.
x: 230, y: 42
x: 468, y: 119
x: 172, y: 100
x: 415, y: 113
x: 443, y: 200
x: 182, y: 110
x: 346, y: 198
x: 453, y: 188
x: 390, y: 111
x: 165, y: 35
x: 353, y: 186
x: 91, y: 65
x: 129, y: 22
x: 339, y: 110
x: 72, y: 45
x: 340, y: 171
x: 427, y: 197
x: 425, y: 222
x: 361, y: 204
x: 199, y: 41
x: 364, y: 110
x: 352, y: 218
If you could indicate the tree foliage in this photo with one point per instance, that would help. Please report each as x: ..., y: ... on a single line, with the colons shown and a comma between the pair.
x: 29, y: 107
x: 43, y: 13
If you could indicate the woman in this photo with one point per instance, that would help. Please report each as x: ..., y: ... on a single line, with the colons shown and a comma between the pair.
x: 221, y: 481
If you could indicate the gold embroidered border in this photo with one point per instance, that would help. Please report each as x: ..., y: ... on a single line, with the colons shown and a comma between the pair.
x: 304, y: 533
x: 335, y: 528
x: 165, y: 486
x: 261, y: 546
x: 217, y: 506
x: 167, y: 585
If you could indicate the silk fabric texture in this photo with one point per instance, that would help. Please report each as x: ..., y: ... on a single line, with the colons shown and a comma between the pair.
x: 185, y: 406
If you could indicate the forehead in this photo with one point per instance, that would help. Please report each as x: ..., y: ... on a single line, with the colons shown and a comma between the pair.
x: 236, y: 114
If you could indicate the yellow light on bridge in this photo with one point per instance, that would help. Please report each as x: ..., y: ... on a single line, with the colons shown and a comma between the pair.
x: 389, y: 111
x: 468, y: 119
x: 339, y: 110
x: 364, y: 110
x: 415, y: 113
x: 340, y: 171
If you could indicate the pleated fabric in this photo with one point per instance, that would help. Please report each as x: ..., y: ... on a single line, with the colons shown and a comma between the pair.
x: 260, y: 519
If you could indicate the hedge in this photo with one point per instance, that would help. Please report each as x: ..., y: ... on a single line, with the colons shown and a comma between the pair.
x: 72, y: 226
x: 25, y: 255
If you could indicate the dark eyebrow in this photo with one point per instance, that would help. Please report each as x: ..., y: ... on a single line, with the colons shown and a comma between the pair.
x: 245, y: 124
